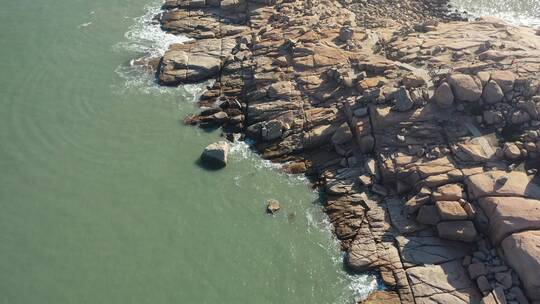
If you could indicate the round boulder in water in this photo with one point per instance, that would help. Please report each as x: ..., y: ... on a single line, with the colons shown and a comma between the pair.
x: 272, y: 206
x: 215, y: 155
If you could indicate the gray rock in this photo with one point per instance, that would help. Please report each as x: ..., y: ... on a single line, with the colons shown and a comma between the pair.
x: 430, y: 250
x: 403, y: 99
x: 215, y: 155
x: 465, y: 87
x: 492, y: 93
x: 444, y: 97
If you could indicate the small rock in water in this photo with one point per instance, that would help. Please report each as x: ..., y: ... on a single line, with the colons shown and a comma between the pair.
x: 215, y: 155
x: 272, y: 206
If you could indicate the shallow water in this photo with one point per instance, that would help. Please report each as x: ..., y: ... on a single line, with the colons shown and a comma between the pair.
x: 101, y: 199
x: 519, y: 12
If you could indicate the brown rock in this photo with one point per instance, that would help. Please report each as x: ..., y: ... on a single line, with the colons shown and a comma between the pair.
x: 522, y: 251
x: 451, y: 211
x: 272, y: 206
x: 505, y: 79
x: 444, y: 97
x: 450, y: 192
x: 500, y: 183
x: 428, y: 215
x: 465, y: 87
x: 445, y: 283
x: 463, y: 231
x: 508, y: 215
x: 477, y: 269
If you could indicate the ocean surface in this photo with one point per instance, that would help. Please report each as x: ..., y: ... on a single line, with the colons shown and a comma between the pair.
x: 101, y: 199
x: 518, y: 12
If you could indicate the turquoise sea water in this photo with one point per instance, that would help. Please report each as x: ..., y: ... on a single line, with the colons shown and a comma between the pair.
x: 101, y: 200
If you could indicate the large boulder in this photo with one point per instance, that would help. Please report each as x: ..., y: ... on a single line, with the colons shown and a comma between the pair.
x: 505, y: 79
x: 444, y: 97
x: 522, y: 251
x: 194, y: 61
x: 465, y: 87
x: 215, y: 155
x: 492, y: 93
x: 501, y: 183
x: 508, y: 215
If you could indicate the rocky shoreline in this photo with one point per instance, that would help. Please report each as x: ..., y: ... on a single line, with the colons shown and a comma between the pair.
x: 420, y: 129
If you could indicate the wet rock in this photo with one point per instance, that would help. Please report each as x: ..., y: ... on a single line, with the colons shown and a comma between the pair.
x: 465, y: 88
x: 272, y: 206
x: 215, y: 155
x: 272, y: 130
x: 463, y: 231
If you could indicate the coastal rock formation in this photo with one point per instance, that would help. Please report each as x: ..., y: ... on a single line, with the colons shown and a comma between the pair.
x: 216, y: 155
x: 423, y: 134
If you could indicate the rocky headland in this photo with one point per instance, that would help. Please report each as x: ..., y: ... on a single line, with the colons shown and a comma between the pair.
x: 420, y: 129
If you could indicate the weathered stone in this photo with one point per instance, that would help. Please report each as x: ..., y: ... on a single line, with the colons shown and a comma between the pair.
x: 492, y: 93
x: 445, y: 283
x: 451, y: 211
x: 522, y: 251
x: 465, y: 87
x: 404, y: 101
x: 362, y: 255
x: 500, y: 183
x: 505, y: 79
x: 428, y: 215
x: 342, y: 135
x: 272, y: 130
x: 508, y: 215
x: 272, y: 206
x: 430, y: 250
x: 215, y: 155
x: 463, y: 231
x: 450, y: 192
x: 477, y: 269
x: 444, y: 97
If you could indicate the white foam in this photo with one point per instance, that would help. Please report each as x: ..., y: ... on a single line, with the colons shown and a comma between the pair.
x: 147, y: 37
x: 84, y: 25
x: 148, y: 41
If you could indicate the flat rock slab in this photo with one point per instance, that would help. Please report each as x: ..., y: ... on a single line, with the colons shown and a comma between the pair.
x: 463, y: 231
x: 446, y: 283
x: 194, y: 61
x: 522, y: 251
x: 508, y: 215
x: 430, y: 250
x: 500, y: 183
